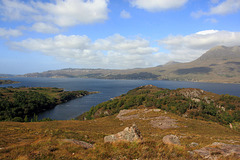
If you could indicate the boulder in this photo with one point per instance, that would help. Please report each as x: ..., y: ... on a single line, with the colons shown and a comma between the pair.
x: 218, y: 150
x: 129, y: 134
x: 171, y: 140
x: 193, y: 144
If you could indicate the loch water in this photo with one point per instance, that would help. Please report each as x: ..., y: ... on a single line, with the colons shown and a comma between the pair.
x: 108, y: 89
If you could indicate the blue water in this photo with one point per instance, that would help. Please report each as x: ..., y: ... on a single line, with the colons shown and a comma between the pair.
x: 108, y: 89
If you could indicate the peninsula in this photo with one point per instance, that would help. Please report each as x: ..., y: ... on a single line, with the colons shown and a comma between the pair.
x: 19, y: 104
x: 8, y: 82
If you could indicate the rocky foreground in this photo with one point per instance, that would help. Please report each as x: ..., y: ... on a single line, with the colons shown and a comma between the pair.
x: 131, y: 134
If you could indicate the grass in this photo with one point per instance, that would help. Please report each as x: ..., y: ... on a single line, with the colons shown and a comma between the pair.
x: 42, y: 140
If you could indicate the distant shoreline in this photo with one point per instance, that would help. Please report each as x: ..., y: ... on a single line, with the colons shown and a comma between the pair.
x: 181, y: 80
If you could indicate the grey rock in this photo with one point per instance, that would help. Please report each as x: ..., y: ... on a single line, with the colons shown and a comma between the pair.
x: 218, y: 150
x: 193, y: 144
x: 129, y: 134
x: 171, y: 140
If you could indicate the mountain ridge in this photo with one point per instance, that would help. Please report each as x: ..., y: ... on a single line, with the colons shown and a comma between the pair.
x: 219, y: 64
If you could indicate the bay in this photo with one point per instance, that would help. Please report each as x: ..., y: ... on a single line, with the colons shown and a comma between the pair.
x: 108, y: 89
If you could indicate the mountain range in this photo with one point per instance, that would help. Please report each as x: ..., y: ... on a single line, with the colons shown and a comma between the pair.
x: 219, y: 64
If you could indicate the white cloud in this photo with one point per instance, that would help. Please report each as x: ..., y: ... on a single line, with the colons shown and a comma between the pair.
x: 6, y: 33
x: 226, y: 7
x: 114, y: 51
x: 207, y: 32
x: 44, y: 28
x: 61, y: 13
x: 190, y: 47
x: 125, y: 14
x: 157, y: 5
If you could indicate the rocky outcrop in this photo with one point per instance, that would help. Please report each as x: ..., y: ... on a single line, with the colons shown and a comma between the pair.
x: 162, y: 122
x: 122, y: 114
x: 80, y: 143
x: 218, y: 150
x: 129, y: 134
x: 191, y: 92
x: 171, y: 140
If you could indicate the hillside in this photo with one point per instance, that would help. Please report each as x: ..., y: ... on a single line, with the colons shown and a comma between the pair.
x: 220, y: 64
x: 65, y: 139
x: 186, y: 102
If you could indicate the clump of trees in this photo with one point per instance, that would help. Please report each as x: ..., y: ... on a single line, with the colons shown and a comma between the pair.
x: 23, y: 104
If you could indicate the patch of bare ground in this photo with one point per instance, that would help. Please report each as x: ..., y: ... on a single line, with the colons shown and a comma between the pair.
x: 164, y: 122
x: 156, y: 121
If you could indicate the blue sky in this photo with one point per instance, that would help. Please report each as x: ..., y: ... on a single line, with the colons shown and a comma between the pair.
x: 40, y: 35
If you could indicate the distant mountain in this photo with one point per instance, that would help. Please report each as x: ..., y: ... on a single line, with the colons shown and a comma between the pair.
x: 219, y: 64
x: 170, y: 63
x: 220, y: 53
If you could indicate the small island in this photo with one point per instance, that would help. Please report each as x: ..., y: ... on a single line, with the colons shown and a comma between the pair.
x: 8, y: 82
x: 19, y: 104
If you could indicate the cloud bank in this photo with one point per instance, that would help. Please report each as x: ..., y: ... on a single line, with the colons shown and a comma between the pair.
x: 119, y: 52
x: 157, y: 5
x: 56, y: 13
x: 113, y: 52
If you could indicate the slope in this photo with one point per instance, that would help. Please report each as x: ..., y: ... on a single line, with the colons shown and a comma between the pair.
x: 45, y: 140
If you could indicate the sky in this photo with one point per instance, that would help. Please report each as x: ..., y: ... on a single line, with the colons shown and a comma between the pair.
x: 41, y: 35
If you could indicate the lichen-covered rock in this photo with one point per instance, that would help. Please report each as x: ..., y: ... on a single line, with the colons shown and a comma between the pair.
x: 218, y: 150
x: 171, y: 140
x: 129, y: 134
